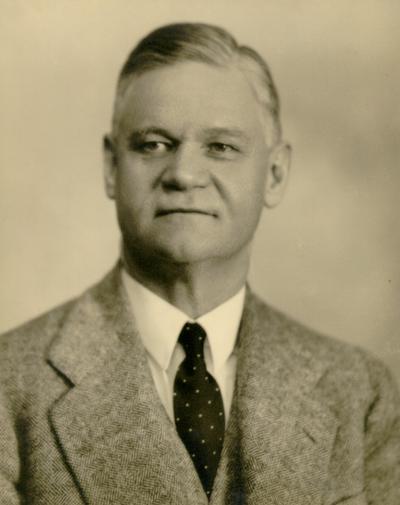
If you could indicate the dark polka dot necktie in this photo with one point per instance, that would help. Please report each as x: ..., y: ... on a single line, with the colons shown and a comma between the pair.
x: 198, y: 407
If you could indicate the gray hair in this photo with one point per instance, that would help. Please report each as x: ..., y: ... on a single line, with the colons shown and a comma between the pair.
x: 202, y: 43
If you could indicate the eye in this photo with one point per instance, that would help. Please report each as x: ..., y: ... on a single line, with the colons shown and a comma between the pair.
x: 220, y: 148
x: 222, y: 151
x: 154, y: 147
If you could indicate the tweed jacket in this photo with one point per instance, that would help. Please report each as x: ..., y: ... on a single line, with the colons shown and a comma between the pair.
x: 313, y: 421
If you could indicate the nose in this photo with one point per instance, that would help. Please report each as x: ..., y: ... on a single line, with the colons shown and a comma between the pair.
x: 185, y: 170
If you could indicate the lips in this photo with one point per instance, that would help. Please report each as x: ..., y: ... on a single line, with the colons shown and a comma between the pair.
x: 184, y: 210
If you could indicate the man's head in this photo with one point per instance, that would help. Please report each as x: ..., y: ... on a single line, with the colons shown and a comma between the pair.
x: 195, y: 151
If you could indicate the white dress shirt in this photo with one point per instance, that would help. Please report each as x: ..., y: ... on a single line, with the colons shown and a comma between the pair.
x: 159, y: 324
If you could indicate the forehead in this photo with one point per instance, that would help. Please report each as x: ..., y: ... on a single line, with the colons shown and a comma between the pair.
x: 190, y: 95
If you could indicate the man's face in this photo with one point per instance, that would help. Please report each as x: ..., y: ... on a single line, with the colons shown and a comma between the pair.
x: 189, y: 162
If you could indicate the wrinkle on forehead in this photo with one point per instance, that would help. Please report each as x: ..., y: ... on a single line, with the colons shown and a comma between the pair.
x: 220, y: 81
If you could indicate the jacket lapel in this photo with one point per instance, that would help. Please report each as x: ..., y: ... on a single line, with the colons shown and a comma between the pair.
x: 111, y: 426
x: 285, y: 431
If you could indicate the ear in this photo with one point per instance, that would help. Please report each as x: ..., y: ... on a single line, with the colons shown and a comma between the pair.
x: 109, y: 166
x: 277, y: 174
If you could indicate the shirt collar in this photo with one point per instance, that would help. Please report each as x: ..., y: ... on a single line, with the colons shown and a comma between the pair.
x: 159, y: 323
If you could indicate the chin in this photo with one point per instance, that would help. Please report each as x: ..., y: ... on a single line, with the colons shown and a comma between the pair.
x: 183, y: 254
x: 198, y: 252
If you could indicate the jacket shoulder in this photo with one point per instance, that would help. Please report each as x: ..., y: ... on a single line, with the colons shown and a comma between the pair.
x: 341, y: 360
x: 290, y: 330
x: 33, y: 336
x: 26, y: 346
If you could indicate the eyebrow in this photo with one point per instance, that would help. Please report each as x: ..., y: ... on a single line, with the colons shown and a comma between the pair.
x: 229, y: 132
x: 136, y: 135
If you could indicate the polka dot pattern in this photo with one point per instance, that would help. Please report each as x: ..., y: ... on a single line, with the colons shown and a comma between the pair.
x: 198, y: 407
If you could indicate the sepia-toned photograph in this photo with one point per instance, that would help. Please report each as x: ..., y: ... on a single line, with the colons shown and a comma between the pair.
x: 200, y: 232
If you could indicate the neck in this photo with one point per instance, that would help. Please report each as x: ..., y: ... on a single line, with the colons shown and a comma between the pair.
x: 194, y: 288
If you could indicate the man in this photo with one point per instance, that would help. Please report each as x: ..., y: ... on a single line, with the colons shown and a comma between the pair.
x: 170, y: 382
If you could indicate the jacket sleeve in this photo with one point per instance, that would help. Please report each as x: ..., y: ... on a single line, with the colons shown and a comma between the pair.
x: 9, y: 459
x: 382, y: 440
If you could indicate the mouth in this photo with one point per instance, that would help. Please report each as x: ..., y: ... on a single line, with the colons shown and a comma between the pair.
x: 179, y: 210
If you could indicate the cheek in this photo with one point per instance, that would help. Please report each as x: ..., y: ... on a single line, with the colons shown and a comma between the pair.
x: 248, y: 192
x: 132, y: 204
x: 133, y: 184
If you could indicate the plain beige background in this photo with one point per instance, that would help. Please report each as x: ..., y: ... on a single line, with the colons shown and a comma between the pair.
x: 328, y: 255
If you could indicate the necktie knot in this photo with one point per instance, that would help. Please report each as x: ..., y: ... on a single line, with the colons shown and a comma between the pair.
x: 192, y: 339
